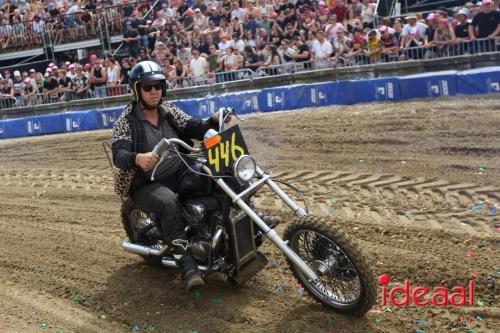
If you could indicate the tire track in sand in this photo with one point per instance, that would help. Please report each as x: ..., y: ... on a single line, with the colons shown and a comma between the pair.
x: 389, y: 198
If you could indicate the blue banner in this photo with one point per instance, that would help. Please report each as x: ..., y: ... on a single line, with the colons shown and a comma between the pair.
x: 199, y: 107
x: 426, y: 85
x: 479, y: 81
x: 13, y: 128
x: 107, y: 117
x: 40, y: 125
x: 243, y: 102
x: 76, y: 121
x: 384, y: 89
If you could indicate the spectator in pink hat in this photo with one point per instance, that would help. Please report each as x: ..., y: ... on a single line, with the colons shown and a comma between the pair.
x: 323, y: 12
x: 432, y: 25
x: 444, y: 36
x: 86, y: 70
x: 413, y: 45
x: 389, y: 44
x: 29, y: 92
x: 71, y: 73
x: 51, y: 86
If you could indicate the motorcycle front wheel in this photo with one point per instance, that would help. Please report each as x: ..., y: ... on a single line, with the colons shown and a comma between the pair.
x: 346, y: 282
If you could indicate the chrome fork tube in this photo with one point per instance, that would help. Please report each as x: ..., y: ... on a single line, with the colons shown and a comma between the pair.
x: 270, y: 233
x: 293, y: 206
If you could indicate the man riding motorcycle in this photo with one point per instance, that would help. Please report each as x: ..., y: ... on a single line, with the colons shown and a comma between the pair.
x: 142, y: 124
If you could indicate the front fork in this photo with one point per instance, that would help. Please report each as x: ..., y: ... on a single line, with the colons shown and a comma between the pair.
x: 270, y: 233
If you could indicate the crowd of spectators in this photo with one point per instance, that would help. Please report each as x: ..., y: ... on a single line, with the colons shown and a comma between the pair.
x: 213, y: 41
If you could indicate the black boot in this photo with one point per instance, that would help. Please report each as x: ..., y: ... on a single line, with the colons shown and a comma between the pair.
x: 191, y: 276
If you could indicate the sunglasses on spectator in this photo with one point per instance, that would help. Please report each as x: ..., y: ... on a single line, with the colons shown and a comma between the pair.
x: 149, y: 87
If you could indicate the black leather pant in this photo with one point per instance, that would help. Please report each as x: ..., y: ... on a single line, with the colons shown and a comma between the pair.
x: 159, y: 199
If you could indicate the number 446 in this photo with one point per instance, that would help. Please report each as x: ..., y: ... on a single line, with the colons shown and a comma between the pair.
x: 225, y: 152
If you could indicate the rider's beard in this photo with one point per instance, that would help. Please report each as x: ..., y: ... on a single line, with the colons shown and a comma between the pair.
x: 148, y: 107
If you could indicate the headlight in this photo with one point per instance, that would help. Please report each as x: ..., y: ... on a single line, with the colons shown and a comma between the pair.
x: 245, y: 168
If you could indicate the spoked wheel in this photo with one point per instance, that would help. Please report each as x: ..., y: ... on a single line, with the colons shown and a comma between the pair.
x: 346, y: 283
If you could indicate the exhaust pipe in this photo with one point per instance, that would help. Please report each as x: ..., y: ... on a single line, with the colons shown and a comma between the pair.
x: 151, y: 251
x: 172, y: 264
x: 144, y: 250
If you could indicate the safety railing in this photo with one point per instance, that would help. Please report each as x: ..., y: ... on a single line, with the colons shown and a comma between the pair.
x: 74, y: 27
x: 289, y: 68
x: 7, y: 102
x: 210, y: 78
x: 22, y: 35
x: 108, y: 91
x: 117, y: 15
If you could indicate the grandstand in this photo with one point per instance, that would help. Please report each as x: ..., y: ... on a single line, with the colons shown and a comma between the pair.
x: 57, y: 51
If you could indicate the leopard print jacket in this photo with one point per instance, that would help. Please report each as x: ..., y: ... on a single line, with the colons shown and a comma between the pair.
x: 122, y: 131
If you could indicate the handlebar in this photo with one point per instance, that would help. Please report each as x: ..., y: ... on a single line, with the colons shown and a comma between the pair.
x: 167, y: 144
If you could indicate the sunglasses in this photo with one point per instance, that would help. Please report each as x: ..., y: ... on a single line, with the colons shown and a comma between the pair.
x: 149, y: 87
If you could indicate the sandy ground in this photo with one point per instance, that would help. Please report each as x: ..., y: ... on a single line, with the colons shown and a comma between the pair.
x: 402, y: 178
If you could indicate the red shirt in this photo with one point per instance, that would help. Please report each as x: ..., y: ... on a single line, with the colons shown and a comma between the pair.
x: 340, y: 12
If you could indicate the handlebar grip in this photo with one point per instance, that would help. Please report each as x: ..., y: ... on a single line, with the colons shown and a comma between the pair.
x: 161, y: 146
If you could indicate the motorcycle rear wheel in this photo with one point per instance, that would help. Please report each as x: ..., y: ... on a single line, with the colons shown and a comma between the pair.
x: 130, y: 212
x: 346, y: 282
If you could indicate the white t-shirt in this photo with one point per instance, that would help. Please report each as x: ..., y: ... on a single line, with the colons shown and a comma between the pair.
x: 224, y: 46
x: 331, y: 30
x: 198, y: 66
x: 240, y: 44
x: 239, y: 13
x: 421, y: 27
x: 322, y: 50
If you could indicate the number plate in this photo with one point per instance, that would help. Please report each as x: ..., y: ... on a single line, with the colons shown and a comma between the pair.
x: 222, y: 155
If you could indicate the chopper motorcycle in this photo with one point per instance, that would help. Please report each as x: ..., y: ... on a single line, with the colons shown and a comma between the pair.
x: 225, y: 229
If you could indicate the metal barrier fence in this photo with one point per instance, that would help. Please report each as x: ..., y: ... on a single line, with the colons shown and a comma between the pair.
x: 430, y: 51
x: 67, y: 28
x: 108, y: 91
x: 211, y: 78
x: 21, y: 35
x: 7, y: 102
